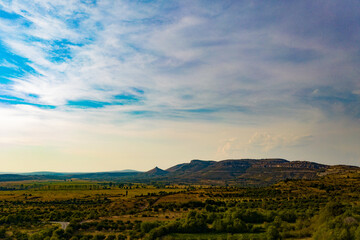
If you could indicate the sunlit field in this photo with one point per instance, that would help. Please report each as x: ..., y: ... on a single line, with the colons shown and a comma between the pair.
x: 292, y: 209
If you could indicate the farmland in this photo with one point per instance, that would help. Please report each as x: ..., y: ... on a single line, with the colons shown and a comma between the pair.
x: 323, y: 208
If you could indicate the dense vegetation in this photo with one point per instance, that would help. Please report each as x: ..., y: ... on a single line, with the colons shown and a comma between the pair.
x: 325, y: 208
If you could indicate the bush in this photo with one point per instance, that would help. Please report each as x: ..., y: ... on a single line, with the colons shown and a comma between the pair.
x: 272, y: 233
x: 2, y: 233
x: 147, y: 226
x: 99, y: 237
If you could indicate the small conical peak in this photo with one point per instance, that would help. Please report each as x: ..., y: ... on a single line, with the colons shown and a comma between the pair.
x: 157, y: 171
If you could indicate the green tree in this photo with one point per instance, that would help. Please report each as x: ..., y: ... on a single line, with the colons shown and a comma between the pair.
x: 58, y: 234
x: 357, y: 233
x: 272, y: 233
x: 2, y: 233
x: 147, y: 226
x: 99, y: 237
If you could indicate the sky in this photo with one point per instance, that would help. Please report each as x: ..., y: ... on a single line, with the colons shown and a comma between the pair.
x: 103, y: 85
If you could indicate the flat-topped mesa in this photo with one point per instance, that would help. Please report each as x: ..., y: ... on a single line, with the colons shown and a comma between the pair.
x: 306, y: 164
x: 280, y: 163
x: 193, y: 166
x: 243, y: 171
x: 197, y: 161
x: 269, y: 162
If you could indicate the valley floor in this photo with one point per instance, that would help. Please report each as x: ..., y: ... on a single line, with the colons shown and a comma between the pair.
x: 325, y: 208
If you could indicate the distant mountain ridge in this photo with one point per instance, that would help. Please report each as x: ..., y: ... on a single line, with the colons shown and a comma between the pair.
x: 72, y: 173
x: 239, y: 171
x: 230, y: 171
x: 47, y: 175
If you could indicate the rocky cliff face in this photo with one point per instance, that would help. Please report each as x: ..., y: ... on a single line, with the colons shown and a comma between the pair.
x: 282, y: 163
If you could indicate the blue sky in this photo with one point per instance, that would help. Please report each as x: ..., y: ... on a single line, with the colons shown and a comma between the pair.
x: 106, y: 85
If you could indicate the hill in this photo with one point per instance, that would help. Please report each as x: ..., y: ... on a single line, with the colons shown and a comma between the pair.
x: 246, y: 172
x: 155, y: 172
x: 242, y: 171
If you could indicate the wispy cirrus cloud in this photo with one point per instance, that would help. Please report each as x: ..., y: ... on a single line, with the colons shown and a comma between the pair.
x: 92, y: 51
x: 230, y: 63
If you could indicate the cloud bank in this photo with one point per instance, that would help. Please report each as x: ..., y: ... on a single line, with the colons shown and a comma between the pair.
x: 148, y: 76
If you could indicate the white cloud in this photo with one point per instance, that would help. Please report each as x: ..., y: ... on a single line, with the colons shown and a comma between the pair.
x: 7, y: 64
x: 242, y: 68
x: 267, y: 142
x: 261, y: 143
x: 357, y: 92
x: 193, y: 52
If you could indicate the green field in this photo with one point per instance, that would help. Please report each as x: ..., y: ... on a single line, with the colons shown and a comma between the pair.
x: 326, y: 208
